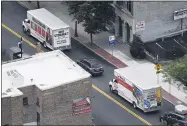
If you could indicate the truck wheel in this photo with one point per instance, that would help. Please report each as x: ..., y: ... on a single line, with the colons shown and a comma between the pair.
x: 44, y: 44
x: 116, y: 92
x: 161, y: 120
x: 111, y: 89
x: 134, y: 105
x: 28, y: 32
x: 24, y: 29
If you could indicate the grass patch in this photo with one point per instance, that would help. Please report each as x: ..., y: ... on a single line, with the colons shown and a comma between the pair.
x: 185, y: 88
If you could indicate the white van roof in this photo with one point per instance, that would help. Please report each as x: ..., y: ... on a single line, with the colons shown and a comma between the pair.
x: 48, y: 18
x: 136, y: 75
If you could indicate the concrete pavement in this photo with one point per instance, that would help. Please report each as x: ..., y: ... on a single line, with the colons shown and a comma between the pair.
x: 101, y: 40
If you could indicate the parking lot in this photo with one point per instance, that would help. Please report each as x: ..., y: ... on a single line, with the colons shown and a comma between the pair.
x: 169, y: 48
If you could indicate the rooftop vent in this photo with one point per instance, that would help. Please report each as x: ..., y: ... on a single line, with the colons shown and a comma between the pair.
x: 8, y: 90
x: 13, y: 73
x: 42, y: 84
x: 4, y: 93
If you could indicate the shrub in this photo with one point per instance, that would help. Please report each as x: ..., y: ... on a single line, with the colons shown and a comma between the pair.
x: 137, y: 52
x: 137, y: 48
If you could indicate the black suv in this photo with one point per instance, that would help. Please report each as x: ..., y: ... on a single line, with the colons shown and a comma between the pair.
x: 91, y: 66
x: 172, y: 118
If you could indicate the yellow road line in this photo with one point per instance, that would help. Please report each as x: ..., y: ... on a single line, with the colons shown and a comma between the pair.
x: 122, y: 106
x: 93, y: 86
x: 18, y: 35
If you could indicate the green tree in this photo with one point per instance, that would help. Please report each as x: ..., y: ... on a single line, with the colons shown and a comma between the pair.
x: 177, y: 70
x: 94, y: 15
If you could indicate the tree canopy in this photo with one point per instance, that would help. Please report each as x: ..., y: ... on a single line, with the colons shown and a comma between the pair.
x: 177, y: 69
x: 94, y: 15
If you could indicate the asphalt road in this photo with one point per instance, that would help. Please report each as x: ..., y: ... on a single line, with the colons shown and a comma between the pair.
x: 105, y: 111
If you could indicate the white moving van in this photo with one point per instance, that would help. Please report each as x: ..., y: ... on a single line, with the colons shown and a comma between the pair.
x: 137, y: 87
x: 48, y: 29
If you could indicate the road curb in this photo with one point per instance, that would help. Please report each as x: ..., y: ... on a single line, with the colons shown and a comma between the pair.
x: 23, y: 5
x: 80, y: 42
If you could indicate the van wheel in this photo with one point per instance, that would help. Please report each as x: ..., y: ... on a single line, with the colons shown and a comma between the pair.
x: 116, y: 92
x: 24, y: 29
x: 44, y: 44
x: 134, y: 105
x: 28, y: 32
x: 111, y: 89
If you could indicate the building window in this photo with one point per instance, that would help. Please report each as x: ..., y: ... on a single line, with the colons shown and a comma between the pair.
x: 120, y: 3
x: 37, y: 102
x: 25, y: 101
x: 125, y: 5
x: 129, y: 6
x: 38, y: 117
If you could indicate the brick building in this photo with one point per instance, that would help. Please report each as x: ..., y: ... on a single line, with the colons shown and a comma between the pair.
x: 150, y: 20
x: 47, y: 89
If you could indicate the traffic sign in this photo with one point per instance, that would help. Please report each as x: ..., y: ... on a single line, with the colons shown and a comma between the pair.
x: 158, y: 67
x: 112, y: 40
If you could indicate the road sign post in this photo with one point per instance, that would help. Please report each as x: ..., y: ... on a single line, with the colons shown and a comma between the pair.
x: 158, y: 67
x: 112, y: 41
x: 38, y: 47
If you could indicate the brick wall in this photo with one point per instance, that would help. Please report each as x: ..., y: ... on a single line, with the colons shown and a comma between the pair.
x: 56, y: 104
x: 17, y: 110
x: 6, y: 111
x: 30, y: 109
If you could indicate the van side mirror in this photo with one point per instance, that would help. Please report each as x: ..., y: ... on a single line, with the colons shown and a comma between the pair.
x: 28, y: 21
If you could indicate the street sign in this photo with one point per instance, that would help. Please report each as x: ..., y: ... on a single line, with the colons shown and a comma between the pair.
x: 158, y: 67
x: 112, y: 40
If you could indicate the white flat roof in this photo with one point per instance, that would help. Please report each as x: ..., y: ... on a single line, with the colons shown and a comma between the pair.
x: 136, y: 75
x: 46, y: 70
x: 48, y: 18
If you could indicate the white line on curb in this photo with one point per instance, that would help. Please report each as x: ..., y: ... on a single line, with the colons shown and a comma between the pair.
x: 159, y: 46
x: 180, y: 44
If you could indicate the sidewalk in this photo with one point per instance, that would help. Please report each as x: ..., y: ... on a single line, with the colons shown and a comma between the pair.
x: 121, y: 56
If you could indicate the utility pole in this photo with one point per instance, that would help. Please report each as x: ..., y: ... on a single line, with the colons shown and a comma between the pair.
x: 157, y: 70
x: 38, y: 4
x: 182, y: 25
x: 20, y: 46
x: 38, y: 47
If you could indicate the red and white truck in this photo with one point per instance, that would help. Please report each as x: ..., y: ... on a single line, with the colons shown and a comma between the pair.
x: 48, y: 29
x: 137, y: 87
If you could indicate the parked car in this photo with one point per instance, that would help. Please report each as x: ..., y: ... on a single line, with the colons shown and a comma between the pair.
x: 91, y: 66
x: 172, y: 118
x: 181, y: 109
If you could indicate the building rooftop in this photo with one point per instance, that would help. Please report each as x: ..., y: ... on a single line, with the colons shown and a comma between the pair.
x: 45, y: 70
x: 137, y: 75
